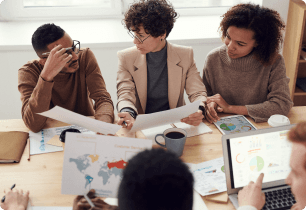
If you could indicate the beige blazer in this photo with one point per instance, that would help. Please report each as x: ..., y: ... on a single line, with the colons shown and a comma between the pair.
x: 182, y: 74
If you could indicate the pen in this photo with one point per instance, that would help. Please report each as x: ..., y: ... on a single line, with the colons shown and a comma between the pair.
x: 3, y: 199
x: 29, y: 150
x: 124, y: 122
x: 89, y: 201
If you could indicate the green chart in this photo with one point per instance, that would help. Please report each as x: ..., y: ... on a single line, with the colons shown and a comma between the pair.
x: 256, y: 164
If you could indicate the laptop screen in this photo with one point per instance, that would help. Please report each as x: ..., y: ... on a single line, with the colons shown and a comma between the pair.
x: 267, y: 153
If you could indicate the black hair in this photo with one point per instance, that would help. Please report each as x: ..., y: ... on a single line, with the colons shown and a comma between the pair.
x: 156, y: 16
x: 266, y: 24
x: 156, y: 179
x: 44, y: 35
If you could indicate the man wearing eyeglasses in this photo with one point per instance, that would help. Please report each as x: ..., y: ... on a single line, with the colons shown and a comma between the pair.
x: 63, y: 75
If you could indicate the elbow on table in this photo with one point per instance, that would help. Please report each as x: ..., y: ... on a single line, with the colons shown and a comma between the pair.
x: 32, y: 125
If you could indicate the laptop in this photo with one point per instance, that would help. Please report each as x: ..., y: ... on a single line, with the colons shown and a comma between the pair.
x: 248, y: 154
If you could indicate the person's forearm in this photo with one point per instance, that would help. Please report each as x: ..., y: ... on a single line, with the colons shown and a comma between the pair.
x: 38, y: 101
x: 105, y: 112
x: 242, y: 110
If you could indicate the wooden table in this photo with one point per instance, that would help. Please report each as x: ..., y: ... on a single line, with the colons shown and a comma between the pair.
x: 42, y: 175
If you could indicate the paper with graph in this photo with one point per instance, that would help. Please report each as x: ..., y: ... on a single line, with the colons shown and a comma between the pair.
x: 96, y: 162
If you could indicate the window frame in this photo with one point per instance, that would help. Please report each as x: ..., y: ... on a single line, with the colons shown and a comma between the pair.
x: 13, y: 10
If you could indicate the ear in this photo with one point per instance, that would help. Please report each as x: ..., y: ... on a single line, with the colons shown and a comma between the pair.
x: 42, y: 61
x: 163, y: 36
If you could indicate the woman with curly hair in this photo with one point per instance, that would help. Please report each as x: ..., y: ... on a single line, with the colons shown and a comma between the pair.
x: 247, y: 75
x: 153, y: 74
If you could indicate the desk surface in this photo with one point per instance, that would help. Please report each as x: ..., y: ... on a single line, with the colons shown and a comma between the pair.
x: 42, y: 175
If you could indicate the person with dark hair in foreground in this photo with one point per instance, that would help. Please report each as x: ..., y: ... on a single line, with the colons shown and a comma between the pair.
x: 153, y: 75
x: 153, y: 179
x: 64, y: 75
x: 247, y: 75
x: 156, y: 179
x: 251, y: 197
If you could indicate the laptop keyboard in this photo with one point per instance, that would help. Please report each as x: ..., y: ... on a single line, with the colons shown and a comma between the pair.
x: 279, y: 199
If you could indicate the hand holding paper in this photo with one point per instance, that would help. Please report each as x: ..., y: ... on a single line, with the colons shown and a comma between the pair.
x: 73, y: 118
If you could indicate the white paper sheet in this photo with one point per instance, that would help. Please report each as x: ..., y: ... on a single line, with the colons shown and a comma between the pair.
x: 47, y: 134
x: 209, y: 177
x: 165, y: 117
x: 193, y: 130
x: 150, y: 133
x: 73, y: 118
x: 38, y: 140
x: 198, y: 203
x: 96, y: 161
x: 39, y: 147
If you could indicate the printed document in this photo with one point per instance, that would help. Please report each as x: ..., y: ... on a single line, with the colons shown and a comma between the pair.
x: 96, y: 161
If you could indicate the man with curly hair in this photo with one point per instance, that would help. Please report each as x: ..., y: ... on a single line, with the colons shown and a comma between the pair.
x: 251, y: 197
x: 63, y: 75
x: 247, y: 75
x: 153, y: 75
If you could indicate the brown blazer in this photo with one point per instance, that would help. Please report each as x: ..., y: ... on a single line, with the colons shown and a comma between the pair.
x: 182, y: 74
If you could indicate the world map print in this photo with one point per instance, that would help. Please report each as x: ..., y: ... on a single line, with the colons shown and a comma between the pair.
x: 97, y: 162
x: 106, y: 169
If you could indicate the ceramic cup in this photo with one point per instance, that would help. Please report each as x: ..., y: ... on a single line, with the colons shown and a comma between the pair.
x: 175, y: 139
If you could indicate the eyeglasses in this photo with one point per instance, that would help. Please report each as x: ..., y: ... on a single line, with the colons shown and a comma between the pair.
x: 75, y: 48
x: 134, y: 36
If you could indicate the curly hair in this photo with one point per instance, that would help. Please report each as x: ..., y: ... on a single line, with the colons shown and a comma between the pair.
x: 156, y: 175
x: 44, y: 35
x: 156, y: 17
x: 266, y: 24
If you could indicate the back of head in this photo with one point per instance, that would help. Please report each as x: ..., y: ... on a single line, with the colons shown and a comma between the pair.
x: 156, y: 179
x: 298, y: 133
x: 266, y: 24
x: 156, y: 16
x: 45, y: 35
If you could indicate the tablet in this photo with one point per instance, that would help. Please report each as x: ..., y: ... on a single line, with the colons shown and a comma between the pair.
x: 234, y: 124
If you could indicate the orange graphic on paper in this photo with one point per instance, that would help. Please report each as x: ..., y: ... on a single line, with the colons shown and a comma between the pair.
x: 94, y: 158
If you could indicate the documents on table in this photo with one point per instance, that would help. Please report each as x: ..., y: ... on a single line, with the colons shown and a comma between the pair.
x: 209, y: 176
x: 191, y: 130
x: 150, y: 133
x: 73, y: 118
x: 96, y: 161
x: 39, y: 141
x: 165, y: 117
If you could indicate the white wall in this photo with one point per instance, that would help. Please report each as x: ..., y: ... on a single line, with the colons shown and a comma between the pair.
x: 14, y: 57
x: 281, y: 6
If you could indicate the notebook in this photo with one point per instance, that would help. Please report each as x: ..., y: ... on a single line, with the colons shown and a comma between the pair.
x: 12, y: 145
x: 248, y: 154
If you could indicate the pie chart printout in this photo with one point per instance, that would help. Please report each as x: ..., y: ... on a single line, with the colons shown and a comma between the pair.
x: 256, y: 164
